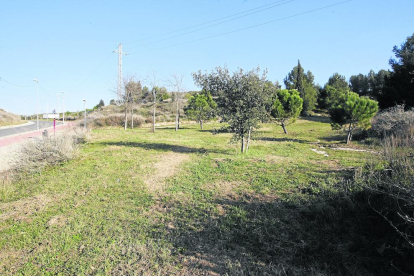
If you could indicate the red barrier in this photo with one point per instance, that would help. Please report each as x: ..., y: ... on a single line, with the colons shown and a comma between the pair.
x: 20, y: 137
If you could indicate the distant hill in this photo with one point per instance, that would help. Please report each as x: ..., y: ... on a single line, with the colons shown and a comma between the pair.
x: 7, y: 119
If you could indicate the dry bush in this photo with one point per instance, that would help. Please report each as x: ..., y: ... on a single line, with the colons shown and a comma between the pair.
x: 389, y: 182
x: 115, y: 120
x: 34, y: 155
x: 394, y: 121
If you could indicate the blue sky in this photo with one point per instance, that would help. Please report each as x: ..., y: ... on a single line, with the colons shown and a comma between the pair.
x: 67, y: 45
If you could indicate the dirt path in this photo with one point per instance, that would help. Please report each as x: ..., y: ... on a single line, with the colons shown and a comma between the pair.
x: 168, y: 165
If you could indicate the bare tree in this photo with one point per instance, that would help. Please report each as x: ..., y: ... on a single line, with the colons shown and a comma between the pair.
x: 176, y: 83
x: 134, y: 90
x: 153, y: 81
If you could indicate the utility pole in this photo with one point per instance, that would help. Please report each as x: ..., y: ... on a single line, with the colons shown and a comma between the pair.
x: 63, y: 103
x: 37, y: 99
x: 119, y: 88
x: 57, y: 95
x: 84, y: 124
x: 47, y: 110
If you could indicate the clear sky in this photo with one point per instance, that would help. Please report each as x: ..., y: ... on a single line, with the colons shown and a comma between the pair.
x: 67, y: 45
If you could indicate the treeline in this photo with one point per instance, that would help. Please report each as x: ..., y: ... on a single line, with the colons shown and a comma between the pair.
x: 244, y: 99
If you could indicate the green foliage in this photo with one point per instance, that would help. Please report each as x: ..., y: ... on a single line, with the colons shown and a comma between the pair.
x: 304, y: 83
x: 241, y: 98
x: 338, y: 81
x: 329, y: 95
x: 112, y: 102
x: 201, y: 107
x: 286, y: 107
x: 165, y: 96
x: 354, y: 111
x: 371, y: 85
x: 399, y: 87
x: 99, y: 105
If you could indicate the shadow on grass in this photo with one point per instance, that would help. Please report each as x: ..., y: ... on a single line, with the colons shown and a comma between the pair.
x: 164, y: 147
x: 265, y: 236
x: 319, y: 119
x: 274, y: 139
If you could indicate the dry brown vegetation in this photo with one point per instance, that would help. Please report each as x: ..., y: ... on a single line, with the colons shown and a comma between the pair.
x: 7, y: 119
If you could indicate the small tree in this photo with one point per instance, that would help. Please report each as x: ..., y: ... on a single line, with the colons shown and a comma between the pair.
x: 201, y: 107
x: 304, y: 83
x: 153, y: 81
x: 241, y: 99
x: 354, y: 111
x: 286, y: 107
x: 176, y: 83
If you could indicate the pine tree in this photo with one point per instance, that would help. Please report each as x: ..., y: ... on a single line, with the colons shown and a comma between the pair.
x: 353, y: 111
x: 286, y: 107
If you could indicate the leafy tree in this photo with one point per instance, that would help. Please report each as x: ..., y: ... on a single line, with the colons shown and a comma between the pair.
x: 399, y: 87
x: 286, y: 107
x: 201, y: 107
x: 112, y: 102
x: 304, y: 83
x: 354, y: 111
x: 241, y: 99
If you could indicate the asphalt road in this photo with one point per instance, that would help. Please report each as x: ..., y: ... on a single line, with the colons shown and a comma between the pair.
x: 21, y: 129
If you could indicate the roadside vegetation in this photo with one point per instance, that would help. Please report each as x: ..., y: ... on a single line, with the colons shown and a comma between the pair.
x: 9, y: 119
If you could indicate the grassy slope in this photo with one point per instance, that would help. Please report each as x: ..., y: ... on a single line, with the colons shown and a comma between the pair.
x: 9, y: 119
x: 218, y: 212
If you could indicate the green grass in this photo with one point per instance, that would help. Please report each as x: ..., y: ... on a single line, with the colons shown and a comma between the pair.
x: 217, y: 212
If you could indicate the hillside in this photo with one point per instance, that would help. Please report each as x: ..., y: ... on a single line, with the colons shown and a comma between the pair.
x: 7, y: 119
x: 113, y: 115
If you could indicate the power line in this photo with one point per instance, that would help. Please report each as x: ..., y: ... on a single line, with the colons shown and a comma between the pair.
x: 168, y: 38
x: 44, y: 90
x: 205, y: 23
x: 93, y: 72
x: 246, y: 28
x: 2, y: 79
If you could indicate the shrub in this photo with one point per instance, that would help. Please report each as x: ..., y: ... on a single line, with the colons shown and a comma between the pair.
x: 116, y: 120
x: 388, y: 181
x: 34, y: 155
x: 394, y: 121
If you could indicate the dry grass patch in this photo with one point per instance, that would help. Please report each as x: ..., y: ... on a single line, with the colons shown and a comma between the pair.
x: 167, y: 166
x: 225, y: 188
x: 57, y: 221
x: 24, y: 208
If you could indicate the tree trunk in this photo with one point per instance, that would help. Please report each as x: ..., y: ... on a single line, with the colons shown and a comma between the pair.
x: 176, y: 117
x: 132, y: 117
x: 348, y: 139
x: 284, y: 128
x: 126, y: 117
x: 248, y: 139
x: 153, y: 118
x: 201, y: 124
x: 242, y: 145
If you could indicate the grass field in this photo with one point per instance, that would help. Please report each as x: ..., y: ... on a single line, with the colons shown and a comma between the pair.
x: 188, y: 203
